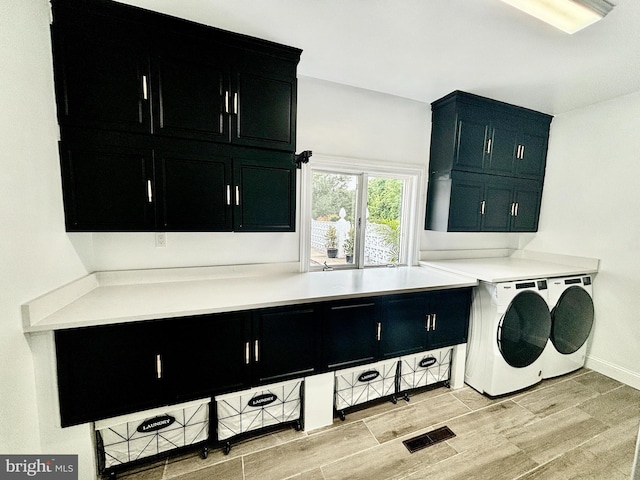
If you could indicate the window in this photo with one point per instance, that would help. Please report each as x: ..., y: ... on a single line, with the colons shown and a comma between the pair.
x: 358, y: 218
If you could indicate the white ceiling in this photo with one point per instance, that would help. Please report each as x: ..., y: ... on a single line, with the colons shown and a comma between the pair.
x: 424, y: 49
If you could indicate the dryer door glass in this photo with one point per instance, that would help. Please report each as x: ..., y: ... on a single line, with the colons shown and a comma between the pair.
x: 571, y: 320
x: 524, y: 329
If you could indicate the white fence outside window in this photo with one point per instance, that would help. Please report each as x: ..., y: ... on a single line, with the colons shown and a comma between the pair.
x: 377, y: 248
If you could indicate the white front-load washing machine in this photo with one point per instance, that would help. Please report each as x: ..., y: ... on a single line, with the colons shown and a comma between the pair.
x: 572, y: 314
x: 508, y: 331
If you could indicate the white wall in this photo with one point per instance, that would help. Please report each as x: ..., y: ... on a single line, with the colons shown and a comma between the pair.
x: 35, y: 252
x: 590, y: 208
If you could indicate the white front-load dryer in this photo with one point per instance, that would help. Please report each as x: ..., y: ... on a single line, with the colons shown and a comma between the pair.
x: 508, y: 330
x: 572, y: 315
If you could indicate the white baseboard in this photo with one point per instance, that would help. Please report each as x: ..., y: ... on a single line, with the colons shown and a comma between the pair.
x: 614, y: 371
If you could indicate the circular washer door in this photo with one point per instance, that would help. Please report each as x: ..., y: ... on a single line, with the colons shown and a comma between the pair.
x: 571, y: 320
x: 524, y: 329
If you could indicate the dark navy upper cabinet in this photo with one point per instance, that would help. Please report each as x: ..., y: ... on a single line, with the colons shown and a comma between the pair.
x: 123, y: 68
x: 102, y: 69
x: 486, y: 166
x: 188, y: 89
x: 168, y: 105
x: 263, y: 102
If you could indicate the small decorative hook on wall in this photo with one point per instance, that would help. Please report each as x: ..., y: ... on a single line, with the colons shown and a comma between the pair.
x: 303, y: 157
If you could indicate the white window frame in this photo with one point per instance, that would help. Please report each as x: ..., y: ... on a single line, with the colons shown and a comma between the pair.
x: 412, y: 208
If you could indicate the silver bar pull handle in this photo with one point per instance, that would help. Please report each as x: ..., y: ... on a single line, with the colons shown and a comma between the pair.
x: 226, y: 101
x: 428, y: 323
x: 235, y: 103
x: 158, y: 366
x: 482, y: 206
x: 489, y: 145
x: 379, y: 331
x: 516, y: 209
x: 247, y: 353
x: 433, y: 326
x: 145, y: 88
x: 149, y: 192
x: 522, y: 151
x: 256, y: 351
x: 237, y: 195
x: 228, y: 194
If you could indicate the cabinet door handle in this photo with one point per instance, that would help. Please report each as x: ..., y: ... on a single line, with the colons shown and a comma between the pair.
x: 482, y: 206
x: 158, y: 366
x: 513, y: 205
x: 149, y: 192
x: 489, y: 145
x: 237, y: 195
x: 247, y: 353
x: 235, y: 103
x: 145, y: 88
x: 516, y: 209
x: 520, y: 151
x: 256, y: 350
x: 379, y: 331
x: 433, y: 325
x: 427, y: 325
x: 226, y: 101
x: 228, y: 194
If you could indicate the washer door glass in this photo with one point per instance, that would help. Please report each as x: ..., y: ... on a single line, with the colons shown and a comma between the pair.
x: 524, y: 329
x: 571, y: 320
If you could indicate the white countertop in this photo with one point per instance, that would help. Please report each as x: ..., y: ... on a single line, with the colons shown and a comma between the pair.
x: 114, y: 297
x: 521, y: 265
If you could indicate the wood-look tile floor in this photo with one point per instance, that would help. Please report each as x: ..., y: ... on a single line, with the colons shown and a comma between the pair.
x: 580, y: 426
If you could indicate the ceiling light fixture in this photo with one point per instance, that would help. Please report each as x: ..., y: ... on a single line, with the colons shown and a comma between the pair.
x: 568, y: 15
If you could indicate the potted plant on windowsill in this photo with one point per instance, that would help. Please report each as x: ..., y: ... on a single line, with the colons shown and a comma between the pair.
x: 331, y: 242
x: 347, y: 245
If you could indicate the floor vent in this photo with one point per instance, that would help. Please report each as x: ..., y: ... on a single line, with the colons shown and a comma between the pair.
x: 427, y: 439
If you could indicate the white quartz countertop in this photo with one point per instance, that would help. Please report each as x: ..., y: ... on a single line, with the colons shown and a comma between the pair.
x: 103, y: 299
x: 516, y: 267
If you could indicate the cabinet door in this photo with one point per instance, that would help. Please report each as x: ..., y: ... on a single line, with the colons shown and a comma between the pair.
x: 526, y: 210
x: 404, y: 325
x: 449, y: 320
x: 207, y: 355
x: 497, y: 208
x: 465, y: 207
x: 502, y: 151
x: 531, y: 155
x: 194, y: 186
x: 107, y: 186
x: 109, y: 370
x: 101, y: 71
x: 264, y: 192
x: 286, y: 343
x: 349, y: 333
x: 192, y: 85
x: 264, y: 102
x: 472, y: 142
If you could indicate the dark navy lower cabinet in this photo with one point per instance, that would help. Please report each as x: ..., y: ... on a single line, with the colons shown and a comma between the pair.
x: 285, y: 343
x: 415, y: 322
x: 350, y: 333
x: 110, y: 370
